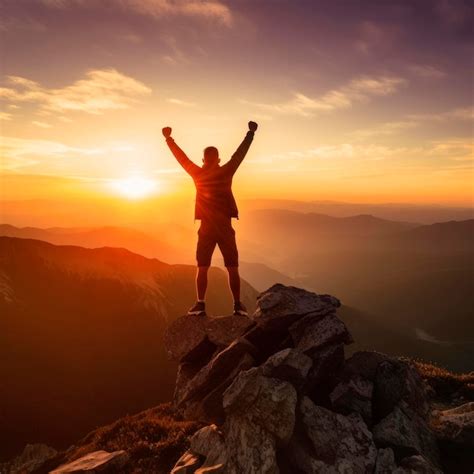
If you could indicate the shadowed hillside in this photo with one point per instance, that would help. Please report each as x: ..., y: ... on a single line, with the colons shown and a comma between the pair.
x: 80, y: 335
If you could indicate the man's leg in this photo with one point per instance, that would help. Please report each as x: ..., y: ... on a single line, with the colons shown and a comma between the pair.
x: 234, y: 282
x: 201, y: 282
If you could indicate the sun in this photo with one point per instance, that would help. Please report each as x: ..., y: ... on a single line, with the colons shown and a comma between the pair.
x: 135, y: 187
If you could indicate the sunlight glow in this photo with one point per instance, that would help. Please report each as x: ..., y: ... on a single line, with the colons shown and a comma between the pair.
x: 135, y: 187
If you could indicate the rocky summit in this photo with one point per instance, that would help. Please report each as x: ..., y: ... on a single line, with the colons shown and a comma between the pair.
x: 278, y: 395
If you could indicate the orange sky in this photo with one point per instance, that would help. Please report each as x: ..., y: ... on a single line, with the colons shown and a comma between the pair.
x: 352, y: 104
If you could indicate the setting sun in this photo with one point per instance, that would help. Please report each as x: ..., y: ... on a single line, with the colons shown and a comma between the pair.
x: 135, y: 187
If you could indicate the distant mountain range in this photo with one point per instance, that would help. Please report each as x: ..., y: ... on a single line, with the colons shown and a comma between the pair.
x: 81, y: 335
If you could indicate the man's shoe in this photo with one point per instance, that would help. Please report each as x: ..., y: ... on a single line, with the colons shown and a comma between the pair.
x: 240, y: 309
x: 199, y: 309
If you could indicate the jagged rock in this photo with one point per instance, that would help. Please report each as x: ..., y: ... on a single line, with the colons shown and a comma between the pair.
x: 337, y: 443
x: 456, y: 424
x: 191, y: 338
x: 96, y: 461
x: 188, y: 463
x: 354, y: 395
x: 312, y: 332
x: 202, y: 397
x: 185, y: 339
x: 186, y: 371
x: 260, y: 415
x: 385, y: 463
x: 417, y: 464
x: 269, y: 402
x: 32, y: 456
x: 364, y: 363
x: 209, y: 443
x: 280, y: 305
x: 290, y: 365
x: 397, y: 381
x: 407, y: 433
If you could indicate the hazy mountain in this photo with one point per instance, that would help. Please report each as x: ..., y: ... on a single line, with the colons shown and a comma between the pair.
x: 417, y: 213
x: 80, y: 335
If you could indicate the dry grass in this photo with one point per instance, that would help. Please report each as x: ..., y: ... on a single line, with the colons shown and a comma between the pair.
x: 154, y: 440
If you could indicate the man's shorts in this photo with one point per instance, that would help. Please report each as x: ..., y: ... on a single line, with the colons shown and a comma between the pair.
x: 218, y: 232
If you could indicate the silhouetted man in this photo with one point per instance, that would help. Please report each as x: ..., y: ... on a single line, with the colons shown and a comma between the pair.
x: 215, y: 207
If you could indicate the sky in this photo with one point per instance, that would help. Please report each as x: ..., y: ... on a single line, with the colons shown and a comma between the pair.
x: 363, y: 101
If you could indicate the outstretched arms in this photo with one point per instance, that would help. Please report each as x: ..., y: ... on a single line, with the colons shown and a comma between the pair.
x: 240, y: 153
x: 179, y: 154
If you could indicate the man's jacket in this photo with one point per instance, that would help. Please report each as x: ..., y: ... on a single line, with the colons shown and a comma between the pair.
x: 214, y: 196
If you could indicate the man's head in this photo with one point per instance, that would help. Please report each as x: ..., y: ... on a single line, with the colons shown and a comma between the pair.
x: 211, y: 156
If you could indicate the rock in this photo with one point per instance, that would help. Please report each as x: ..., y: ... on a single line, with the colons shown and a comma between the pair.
x: 260, y: 414
x: 97, y: 461
x: 185, y: 339
x: 354, y: 395
x: 223, y: 330
x: 385, y: 463
x: 269, y: 402
x: 364, y: 363
x: 312, y: 332
x: 191, y: 338
x: 32, y: 456
x: 456, y: 424
x: 188, y: 463
x: 417, y: 464
x: 202, y: 398
x: 251, y: 449
x: 280, y: 305
x: 406, y: 433
x: 209, y: 443
x: 337, y: 443
x: 186, y: 371
x: 290, y: 365
x: 397, y: 381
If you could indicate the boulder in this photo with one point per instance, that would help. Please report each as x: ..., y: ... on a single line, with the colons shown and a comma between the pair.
x: 385, y: 463
x: 268, y: 402
x: 185, y: 339
x: 354, y: 395
x: 96, y: 461
x: 188, y: 463
x: 456, y: 424
x: 312, y: 332
x: 407, y: 433
x: 208, y: 442
x: 397, y: 381
x: 191, y: 338
x: 337, y: 443
x: 290, y: 365
x: 202, y: 397
x: 280, y: 306
x: 364, y: 363
x: 417, y: 464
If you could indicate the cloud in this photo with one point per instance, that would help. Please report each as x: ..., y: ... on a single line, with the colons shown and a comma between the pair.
x: 5, y: 116
x: 201, y: 9
x: 427, y: 71
x: 41, y: 124
x: 180, y: 102
x: 100, y: 90
x: 414, y: 120
x: 361, y: 89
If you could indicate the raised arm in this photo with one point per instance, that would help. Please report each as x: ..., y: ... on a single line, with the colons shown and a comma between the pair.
x: 179, y: 154
x: 240, y: 153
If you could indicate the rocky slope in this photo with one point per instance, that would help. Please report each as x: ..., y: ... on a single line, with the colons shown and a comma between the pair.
x: 279, y: 396
x: 275, y: 393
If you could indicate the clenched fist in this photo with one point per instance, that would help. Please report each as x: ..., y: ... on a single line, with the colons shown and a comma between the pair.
x: 166, y: 132
x: 253, y: 126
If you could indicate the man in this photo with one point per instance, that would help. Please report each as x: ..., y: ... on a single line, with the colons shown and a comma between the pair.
x: 215, y: 207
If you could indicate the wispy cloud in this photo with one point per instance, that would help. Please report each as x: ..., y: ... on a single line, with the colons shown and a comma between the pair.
x: 5, y: 116
x: 361, y: 89
x: 180, y: 102
x: 206, y: 9
x: 100, y: 90
x: 427, y: 71
x: 414, y: 120
x: 41, y: 124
